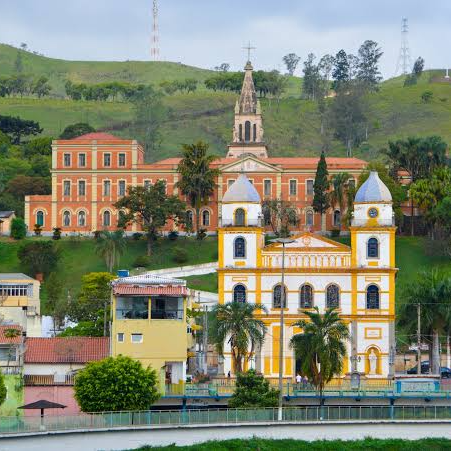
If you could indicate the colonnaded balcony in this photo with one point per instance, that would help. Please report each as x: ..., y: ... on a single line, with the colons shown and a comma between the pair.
x: 240, y: 221
x: 307, y: 260
x: 153, y: 308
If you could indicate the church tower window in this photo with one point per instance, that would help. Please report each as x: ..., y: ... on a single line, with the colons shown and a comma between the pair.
x: 372, y: 297
x: 277, y: 296
x: 306, y: 296
x: 255, y: 132
x: 240, y: 128
x: 206, y: 218
x: 332, y: 296
x: 373, y: 248
x: 247, y: 131
x: 239, y: 293
x: 240, y: 217
x: 239, y: 248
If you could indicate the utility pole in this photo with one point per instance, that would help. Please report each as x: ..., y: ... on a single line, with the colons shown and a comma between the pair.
x: 419, y: 337
x: 205, y: 338
x: 155, y: 50
x: 404, y: 63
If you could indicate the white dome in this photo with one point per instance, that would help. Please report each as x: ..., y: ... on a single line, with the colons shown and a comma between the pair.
x: 241, y: 190
x: 373, y: 190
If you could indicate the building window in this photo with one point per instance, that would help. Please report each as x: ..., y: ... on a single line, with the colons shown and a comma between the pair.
x: 372, y: 297
x: 8, y: 353
x: 106, y: 160
x: 255, y: 132
x: 40, y: 218
x: 239, y: 293
x: 333, y: 296
x: 147, y: 183
x: 306, y: 296
x: 81, y: 160
x: 277, y: 296
x: 230, y: 182
x: 121, y: 188
x: 81, y: 188
x: 189, y: 218
x: 136, y: 307
x: 351, y: 184
x: 120, y: 337
x: 106, y: 218
x: 337, y: 218
x: 267, y: 187
x: 373, y: 248
x: 240, y: 217
x: 67, y: 159
x: 309, y: 218
x: 66, y: 188
x: 66, y: 219
x: 247, y: 131
x: 309, y: 184
x: 137, y: 338
x: 81, y: 218
x: 293, y: 187
x: 15, y: 290
x: 106, y: 187
x: 121, y: 160
x: 206, y: 218
x: 240, y: 128
x: 239, y: 248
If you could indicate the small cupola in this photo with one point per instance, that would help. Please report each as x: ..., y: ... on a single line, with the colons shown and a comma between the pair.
x: 241, y: 190
x: 373, y: 190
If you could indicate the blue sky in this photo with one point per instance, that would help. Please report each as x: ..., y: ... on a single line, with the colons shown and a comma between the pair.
x: 206, y: 33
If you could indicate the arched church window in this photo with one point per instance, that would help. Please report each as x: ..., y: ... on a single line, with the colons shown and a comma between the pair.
x: 240, y: 217
x: 40, y: 218
x: 239, y: 293
x: 189, y: 218
x: 106, y: 218
x: 206, y: 218
x: 332, y: 296
x: 240, y: 132
x: 66, y: 219
x: 277, y: 296
x: 309, y: 218
x: 247, y: 131
x: 306, y: 296
x: 372, y: 297
x: 81, y: 219
x: 239, y: 248
x: 255, y: 132
x: 337, y: 218
x: 373, y: 248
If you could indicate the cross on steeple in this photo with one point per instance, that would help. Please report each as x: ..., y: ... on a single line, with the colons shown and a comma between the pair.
x: 249, y: 48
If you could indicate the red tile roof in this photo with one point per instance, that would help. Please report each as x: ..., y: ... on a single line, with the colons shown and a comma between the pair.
x: 15, y: 340
x: 169, y: 290
x: 66, y: 349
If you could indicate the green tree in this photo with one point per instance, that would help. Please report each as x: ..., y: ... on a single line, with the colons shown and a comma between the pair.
x: 56, y: 303
x: 253, y: 390
x: 3, y: 390
x: 368, y: 67
x: 18, y: 64
x: 41, y: 87
x: 78, y: 129
x: 116, y: 384
x: 432, y: 290
x: 151, y: 208
x: 93, y: 301
x: 321, y: 346
x: 197, y: 177
x: 110, y: 246
x: 339, y: 194
x: 427, y: 96
x: 320, y: 189
x: 340, y: 72
x: 291, y: 61
x: 311, y: 86
x: 235, y: 323
x: 280, y: 215
x: 18, y: 229
x: 417, y: 70
x: 38, y: 146
x: 39, y: 257
x: 16, y: 128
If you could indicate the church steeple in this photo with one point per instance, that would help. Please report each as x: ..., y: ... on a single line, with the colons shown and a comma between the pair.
x: 248, y: 98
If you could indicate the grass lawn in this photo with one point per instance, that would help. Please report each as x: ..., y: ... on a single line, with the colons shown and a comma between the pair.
x: 256, y: 444
x: 205, y: 282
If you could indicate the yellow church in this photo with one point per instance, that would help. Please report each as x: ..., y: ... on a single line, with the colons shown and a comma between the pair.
x: 358, y: 280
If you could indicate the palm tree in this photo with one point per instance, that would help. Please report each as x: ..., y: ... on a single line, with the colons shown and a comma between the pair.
x: 235, y: 324
x: 197, y: 181
x: 338, y: 195
x: 432, y: 290
x: 110, y: 246
x: 321, y: 346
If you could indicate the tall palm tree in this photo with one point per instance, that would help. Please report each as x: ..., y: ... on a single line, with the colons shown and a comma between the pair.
x: 110, y: 246
x: 236, y: 324
x: 432, y: 290
x: 197, y: 180
x: 321, y: 346
x: 338, y: 195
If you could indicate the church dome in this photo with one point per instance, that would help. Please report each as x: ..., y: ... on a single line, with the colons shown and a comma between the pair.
x: 241, y: 190
x: 373, y: 190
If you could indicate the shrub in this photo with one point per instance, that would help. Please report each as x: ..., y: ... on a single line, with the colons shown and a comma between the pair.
x: 335, y: 233
x: 427, y: 96
x: 56, y: 233
x: 137, y: 236
x: 37, y: 229
x: 97, y: 234
x: 18, y: 229
x: 173, y: 235
x: 39, y: 257
x: 201, y: 234
x: 180, y: 255
x: 142, y: 261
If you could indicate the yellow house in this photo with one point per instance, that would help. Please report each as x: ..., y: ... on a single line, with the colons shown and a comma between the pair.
x: 150, y: 323
x: 20, y: 303
x: 6, y: 218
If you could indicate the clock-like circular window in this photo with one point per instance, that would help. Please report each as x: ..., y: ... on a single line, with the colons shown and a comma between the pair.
x: 373, y: 213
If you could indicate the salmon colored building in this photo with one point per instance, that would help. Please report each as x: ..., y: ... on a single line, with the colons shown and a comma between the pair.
x: 91, y: 172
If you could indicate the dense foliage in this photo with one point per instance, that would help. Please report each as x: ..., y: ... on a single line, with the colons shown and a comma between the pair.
x: 78, y: 129
x: 320, y: 187
x: 3, y: 390
x: 39, y: 257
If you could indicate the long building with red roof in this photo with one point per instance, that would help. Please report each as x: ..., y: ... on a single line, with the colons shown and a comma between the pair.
x: 91, y: 172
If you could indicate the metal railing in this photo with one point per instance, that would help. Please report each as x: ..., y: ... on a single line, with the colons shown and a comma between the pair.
x: 156, y: 418
x: 48, y: 379
x: 232, y: 222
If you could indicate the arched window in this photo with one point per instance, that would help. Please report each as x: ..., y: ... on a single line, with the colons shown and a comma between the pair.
x: 337, y: 218
x: 239, y: 293
x: 106, y: 218
x: 277, y: 296
x: 255, y: 132
x: 40, y: 218
x: 239, y: 248
x: 240, y: 217
x: 332, y: 296
x: 189, y: 218
x: 206, y: 218
x: 66, y: 219
x: 247, y: 131
x: 240, y: 128
x: 309, y: 218
x: 373, y: 248
x: 306, y: 296
x: 372, y: 297
x: 81, y: 218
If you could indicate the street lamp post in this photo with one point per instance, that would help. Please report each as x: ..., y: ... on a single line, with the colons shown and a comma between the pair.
x: 282, y: 241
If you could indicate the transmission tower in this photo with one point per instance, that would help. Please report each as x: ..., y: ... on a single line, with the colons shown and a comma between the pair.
x: 404, y: 64
x: 155, y: 50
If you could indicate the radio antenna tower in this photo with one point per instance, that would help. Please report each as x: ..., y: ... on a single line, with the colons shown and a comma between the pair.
x: 155, y: 50
x: 404, y: 64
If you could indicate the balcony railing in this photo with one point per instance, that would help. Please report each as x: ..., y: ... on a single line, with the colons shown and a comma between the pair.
x: 126, y: 313
x: 48, y: 379
x: 231, y: 222
x: 304, y: 260
x: 371, y: 223
x: 167, y: 314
